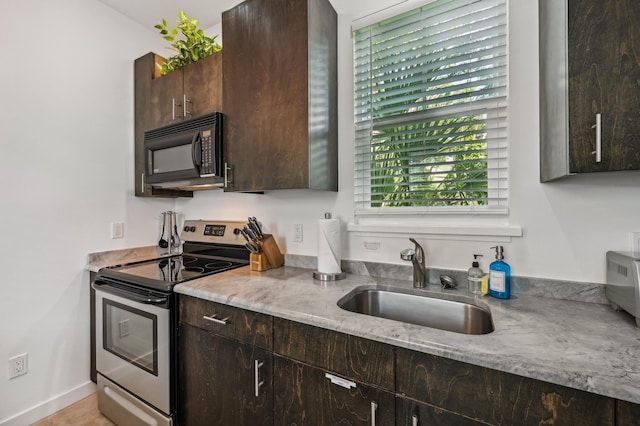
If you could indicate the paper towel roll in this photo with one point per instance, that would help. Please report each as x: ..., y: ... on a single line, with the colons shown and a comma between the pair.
x: 329, y: 246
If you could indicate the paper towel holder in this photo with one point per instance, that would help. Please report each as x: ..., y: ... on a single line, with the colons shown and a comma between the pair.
x: 328, y: 276
x: 325, y: 276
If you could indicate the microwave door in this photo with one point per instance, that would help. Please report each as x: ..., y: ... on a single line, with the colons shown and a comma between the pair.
x: 173, y: 157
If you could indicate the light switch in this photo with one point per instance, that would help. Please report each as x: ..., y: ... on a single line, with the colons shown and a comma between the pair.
x: 117, y: 230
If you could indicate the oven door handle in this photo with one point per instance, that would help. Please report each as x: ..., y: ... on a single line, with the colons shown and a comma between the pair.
x: 116, y: 291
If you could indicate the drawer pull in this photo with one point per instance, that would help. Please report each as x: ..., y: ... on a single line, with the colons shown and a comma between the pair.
x: 374, y: 408
x: 347, y: 384
x: 414, y: 420
x: 213, y: 318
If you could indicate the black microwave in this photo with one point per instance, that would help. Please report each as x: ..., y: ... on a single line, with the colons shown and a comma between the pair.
x: 185, y: 154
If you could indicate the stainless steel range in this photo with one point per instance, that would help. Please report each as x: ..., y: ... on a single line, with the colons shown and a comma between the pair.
x: 136, y: 322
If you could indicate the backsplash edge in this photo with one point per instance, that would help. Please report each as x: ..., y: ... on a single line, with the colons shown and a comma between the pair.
x: 526, y: 286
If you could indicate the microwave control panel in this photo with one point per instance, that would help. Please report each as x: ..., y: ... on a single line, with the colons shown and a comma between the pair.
x: 208, y: 157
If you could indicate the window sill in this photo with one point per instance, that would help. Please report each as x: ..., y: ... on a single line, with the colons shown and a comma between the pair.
x: 465, y: 233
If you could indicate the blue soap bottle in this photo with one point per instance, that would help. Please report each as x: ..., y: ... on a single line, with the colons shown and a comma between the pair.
x: 499, y: 276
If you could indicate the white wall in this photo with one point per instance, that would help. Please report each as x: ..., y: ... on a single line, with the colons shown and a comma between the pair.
x: 567, y: 226
x: 66, y: 161
x: 66, y: 167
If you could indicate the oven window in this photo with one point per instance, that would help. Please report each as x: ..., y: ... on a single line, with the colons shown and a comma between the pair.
x: 131, y: 334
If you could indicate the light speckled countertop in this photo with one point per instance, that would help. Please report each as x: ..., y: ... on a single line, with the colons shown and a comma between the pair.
x: 586, y: 346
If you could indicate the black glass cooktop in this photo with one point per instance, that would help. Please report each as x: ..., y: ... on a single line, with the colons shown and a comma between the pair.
x: 162, y: 274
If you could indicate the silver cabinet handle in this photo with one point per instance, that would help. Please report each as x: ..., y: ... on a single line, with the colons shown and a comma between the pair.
x: 227, y: 170
x: 184, y: 106
x: 142, y: 181
x: 347, y: 384
x: 414, y: 420
x: 213, y: 318
x: 598, y: 127
x: 374, y: 408
x: 174, y: 104
x: 256, y: 376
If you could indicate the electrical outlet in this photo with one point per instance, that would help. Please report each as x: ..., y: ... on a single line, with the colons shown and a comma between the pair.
x: 124, y: 328
x: 372, y: 245
x: 18, y: 365
x: 297, y: 237
x: 117, y: 230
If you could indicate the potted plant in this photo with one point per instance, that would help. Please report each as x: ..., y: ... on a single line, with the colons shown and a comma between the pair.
x: 191, y: 47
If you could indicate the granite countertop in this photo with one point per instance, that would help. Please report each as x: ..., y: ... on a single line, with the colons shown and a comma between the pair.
x: 586, y: 346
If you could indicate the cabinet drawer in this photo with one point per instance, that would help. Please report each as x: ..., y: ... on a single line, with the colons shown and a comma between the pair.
x: 496, y: 397
x: 360, y: 359
x: 245, y: 326
x: 305, y: 395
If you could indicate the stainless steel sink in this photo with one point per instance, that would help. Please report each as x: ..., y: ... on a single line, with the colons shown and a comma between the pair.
x: 442, y: 311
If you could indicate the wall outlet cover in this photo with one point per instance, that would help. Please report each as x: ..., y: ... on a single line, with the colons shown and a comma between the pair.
x: 18, y: 365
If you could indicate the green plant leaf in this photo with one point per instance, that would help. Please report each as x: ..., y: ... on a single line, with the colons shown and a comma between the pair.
x: 188, y: 41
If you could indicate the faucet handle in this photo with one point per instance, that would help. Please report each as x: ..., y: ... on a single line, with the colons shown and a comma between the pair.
x: 407, y: 254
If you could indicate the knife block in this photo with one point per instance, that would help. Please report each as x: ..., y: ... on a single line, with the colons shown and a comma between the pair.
x: 269, y: 256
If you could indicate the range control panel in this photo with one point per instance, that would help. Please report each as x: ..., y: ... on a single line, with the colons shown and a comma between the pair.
x: 212, y: 231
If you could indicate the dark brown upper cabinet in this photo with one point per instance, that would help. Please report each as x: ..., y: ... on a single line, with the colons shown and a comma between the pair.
x: 280, y: 95
x: 589, y: 87
x: 160, y: 100
x: 189, y: 92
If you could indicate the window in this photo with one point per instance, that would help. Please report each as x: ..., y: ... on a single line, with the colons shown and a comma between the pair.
x: 431, y: 109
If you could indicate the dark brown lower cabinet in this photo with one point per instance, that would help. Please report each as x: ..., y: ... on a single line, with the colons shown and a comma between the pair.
x: 308, y: 375
x: 306, y: 395
x: 218, y: 380
x: 496, y: 397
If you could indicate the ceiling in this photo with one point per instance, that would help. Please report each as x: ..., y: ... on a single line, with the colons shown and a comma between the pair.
x: 209, y: 12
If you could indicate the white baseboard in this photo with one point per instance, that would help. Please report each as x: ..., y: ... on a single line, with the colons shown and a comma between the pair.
x: 49, y: 407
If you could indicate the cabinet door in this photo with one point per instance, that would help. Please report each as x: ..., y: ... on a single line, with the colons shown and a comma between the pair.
x: 166, y: 99
x: 202, y: 87
x: 218, y: 380
x: 604, y: 78
x: 306, y: 395
x: 496, y: 397
x: 265, y: 92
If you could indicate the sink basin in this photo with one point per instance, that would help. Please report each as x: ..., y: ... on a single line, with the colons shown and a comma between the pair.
x: 436, y: 310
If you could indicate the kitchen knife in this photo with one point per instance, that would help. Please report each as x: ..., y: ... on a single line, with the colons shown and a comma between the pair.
x: 252, y: 235
x: 244, y: 234
x: 255, y: 227
x: 252, y: 247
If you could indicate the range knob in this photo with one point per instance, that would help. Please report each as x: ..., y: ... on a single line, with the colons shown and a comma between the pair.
x: 185, y: 229
x: 192, y: 228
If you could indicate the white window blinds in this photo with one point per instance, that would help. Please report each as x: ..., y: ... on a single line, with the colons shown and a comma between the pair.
x: 431, y: 108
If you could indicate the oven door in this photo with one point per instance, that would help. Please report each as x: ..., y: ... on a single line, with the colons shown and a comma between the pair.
x: 133, y: 342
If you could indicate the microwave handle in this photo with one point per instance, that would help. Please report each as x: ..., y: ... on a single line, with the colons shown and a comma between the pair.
x: 196, y: 150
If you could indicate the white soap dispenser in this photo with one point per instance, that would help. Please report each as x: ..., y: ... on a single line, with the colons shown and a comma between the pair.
x: 474, y: 276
